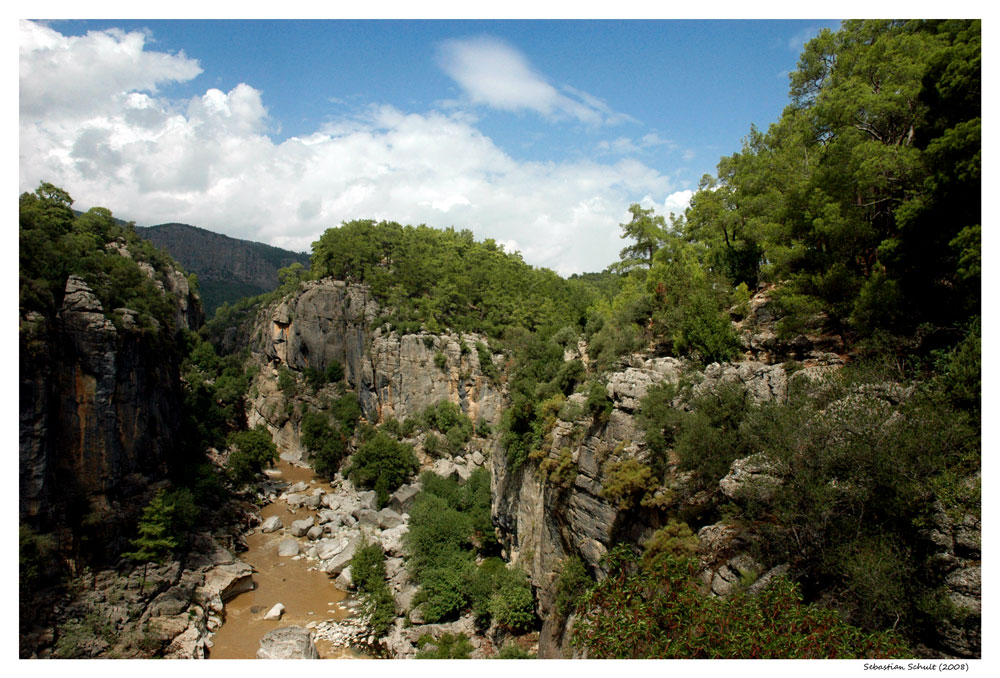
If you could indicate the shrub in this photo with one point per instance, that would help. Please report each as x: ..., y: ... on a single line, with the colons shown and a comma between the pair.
x: 598, y: 405
x: 573, y: 582
x: 433, y: 445
x: 512, y: 605
x: 486, y: 365
x: 443, y: 590
x: 448, y: 646
x: 253, y: 450
x: 334, y: 372
x: 382, y: 464
x: 675, y: 539
x: 656, y: 610
x: 378, y: 606
x: 440, y: 360
x: 627, y: 482
x: 514, y: 651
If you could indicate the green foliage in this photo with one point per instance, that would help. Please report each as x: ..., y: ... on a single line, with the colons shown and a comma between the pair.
x: 866, y: 195
x: 368, y: 576
x: 382, y: 464
x: 512, y: 605
x: 326, y: 445
x: 486, y: 365
x: 286, y: 381
x: 252, y: 451
x: 709, y: 439
x: 648, y: 231
x: 157, y: 536
x: 448, y: 646
x: 627, y: 482
x: 655, y: 610
x: 512, y: 650
x: 36, y: 558
x: 440, y: 360
x: 54, y: 244
x: 574, y: 581
x: 434, y: 279
x: 674, y: 540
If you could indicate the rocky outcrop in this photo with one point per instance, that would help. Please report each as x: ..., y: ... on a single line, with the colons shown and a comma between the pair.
x: 288, y: 642
x: 553, y: 507
x: 100, y: 411
x: 168, y: 610
x: 394, y: 375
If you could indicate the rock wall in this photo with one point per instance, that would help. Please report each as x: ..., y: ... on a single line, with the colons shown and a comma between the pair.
x: 394, y: 376
x: 545, y: 517
x: 99, y: 411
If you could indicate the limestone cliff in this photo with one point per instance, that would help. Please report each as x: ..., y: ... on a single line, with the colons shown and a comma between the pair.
x: 394, y: 375
x: 99, y: 411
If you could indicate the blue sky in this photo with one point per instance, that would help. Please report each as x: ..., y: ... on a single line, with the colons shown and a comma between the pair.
x: 538, y: 134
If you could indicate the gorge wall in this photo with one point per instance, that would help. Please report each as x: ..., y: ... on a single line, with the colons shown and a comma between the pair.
x: 394, y: 376
x: 100, y: 411
x: 553, y: 506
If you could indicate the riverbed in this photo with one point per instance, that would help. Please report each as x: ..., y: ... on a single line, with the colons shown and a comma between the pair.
x: 308, y: 594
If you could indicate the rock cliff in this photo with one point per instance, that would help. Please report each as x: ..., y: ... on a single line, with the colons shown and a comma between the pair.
x: 99, y: 410
x: 394, y: 375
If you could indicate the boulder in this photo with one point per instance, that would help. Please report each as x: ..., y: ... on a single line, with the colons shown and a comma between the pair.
x: 403, y: 498
x: 328, y: 548
x: 367, y: 517
x: 327, y: 516
x: 289, y: 642
x: 314, y: 532
x: 295, y: 499
x: 288, y: 547
x: 368, y: 500
x: 343, y: 581
x: 272, y: 524
x: 312, y: 501
x: 300, y: 527
x: 387, y: 518
x: 392, y: 540
x: 299, y: 487
x: 275, y: 612
x: 477, y: 458
x: 336, y: 565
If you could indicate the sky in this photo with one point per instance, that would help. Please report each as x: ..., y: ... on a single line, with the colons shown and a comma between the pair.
x: 538, y: 134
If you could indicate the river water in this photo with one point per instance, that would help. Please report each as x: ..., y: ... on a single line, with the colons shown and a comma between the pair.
x: 308, y: 595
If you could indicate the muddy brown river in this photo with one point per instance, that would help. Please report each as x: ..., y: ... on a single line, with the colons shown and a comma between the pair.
x: 308, y: 595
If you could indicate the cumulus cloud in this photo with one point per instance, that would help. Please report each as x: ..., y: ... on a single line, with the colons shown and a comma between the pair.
x: 210, y: 162
x: 493, y: 73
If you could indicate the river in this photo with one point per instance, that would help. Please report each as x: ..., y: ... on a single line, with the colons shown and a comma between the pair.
x: 308, y: 595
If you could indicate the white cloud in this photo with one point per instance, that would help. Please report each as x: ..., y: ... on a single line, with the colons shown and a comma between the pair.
x: 211, y: 164
x: 677, y: 202
x: 493, y: 73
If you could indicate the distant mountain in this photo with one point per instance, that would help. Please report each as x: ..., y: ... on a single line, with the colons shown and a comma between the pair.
x: 228, y: 269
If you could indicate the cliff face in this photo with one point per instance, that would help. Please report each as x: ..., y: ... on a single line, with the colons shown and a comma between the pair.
x: 394, y: 376
x: 99, y: 410
x: 546, y: 516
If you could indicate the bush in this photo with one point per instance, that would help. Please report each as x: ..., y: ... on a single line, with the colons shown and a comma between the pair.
x: 675, y: 539
x: 382, y: 464
x: 573, y: 582
x: 513, y: 651
x: 253, y: 450
x: 627, y: 482
x: 512, y: 605
x: 378, y: 606
x: 443, y: 590
x: 448, y: 646
x: 656, y: 610
x: 598, y: 405
x: 440, y: 360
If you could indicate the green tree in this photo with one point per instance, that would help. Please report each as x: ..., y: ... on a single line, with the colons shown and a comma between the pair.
x: 156, y: 541
x: 253, y: 450
x: 648, y: 231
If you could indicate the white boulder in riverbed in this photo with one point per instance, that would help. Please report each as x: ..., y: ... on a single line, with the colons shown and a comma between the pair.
x: 272, y: 524
x: 275, y: 612
x: 300, y: 527
x: 288, y: 642
x: 288, y: 547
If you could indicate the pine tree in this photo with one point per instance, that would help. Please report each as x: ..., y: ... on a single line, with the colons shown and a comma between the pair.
x: 156, y: 540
